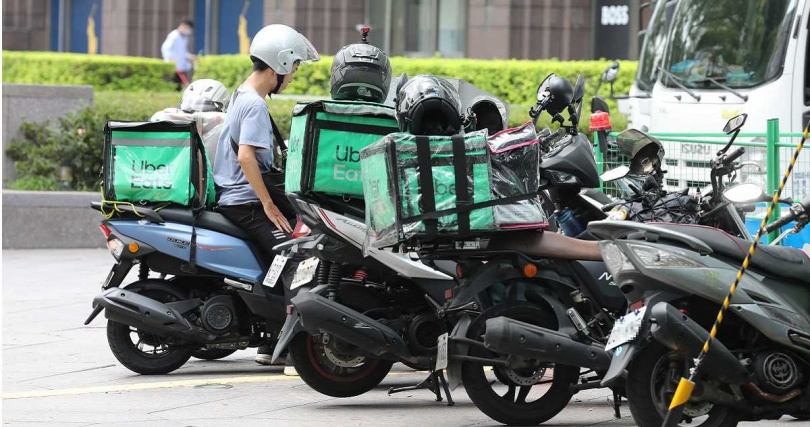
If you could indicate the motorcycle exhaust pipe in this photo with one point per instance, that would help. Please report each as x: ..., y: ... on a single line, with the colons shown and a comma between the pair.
x: 148, y: 315
x: 319, y: 313
x: 509, y: 336
x: 676, y: 331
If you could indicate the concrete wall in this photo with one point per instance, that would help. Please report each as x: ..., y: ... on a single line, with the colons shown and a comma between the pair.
x: 36, y: 103
x: 139, y: 27
x: 45, y: 219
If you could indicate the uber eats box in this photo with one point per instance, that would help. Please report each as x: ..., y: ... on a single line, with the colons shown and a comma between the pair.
x: 325, y: 142
x: 156, y: 162
x: 412, y: 187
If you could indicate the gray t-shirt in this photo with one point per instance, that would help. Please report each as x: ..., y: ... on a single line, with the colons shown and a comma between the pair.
x: 247, y: 122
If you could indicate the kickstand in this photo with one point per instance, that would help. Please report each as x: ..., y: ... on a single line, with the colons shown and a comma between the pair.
x: 434, y: 382
x: 617, y: 404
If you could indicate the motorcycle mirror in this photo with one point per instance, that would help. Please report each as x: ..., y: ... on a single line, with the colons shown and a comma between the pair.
x: 599, y: 104
x: 735, y: 123
x: 542, y: 90
x: 609, y: 75
x: 615, y: 173
x: 745, y: 193
x: 579, y: 89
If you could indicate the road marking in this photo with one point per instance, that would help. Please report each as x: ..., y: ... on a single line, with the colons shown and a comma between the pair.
x: 156, y: 385
x: 144, y: 386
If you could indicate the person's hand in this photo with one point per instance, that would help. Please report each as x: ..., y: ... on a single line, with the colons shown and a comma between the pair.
x: 276, y: 217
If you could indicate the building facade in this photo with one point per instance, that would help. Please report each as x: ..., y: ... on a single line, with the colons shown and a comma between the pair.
x: 523, y: 29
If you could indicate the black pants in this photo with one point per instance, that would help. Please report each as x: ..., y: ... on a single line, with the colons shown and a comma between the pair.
x: 251, y: 218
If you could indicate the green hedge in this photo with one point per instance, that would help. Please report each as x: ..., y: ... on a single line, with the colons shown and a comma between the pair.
x: 514, y: 81
x: 103, y: 72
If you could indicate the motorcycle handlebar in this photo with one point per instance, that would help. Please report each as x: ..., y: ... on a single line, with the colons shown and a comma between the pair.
x: 802, y: 210
x: 734, y: 155
x: 779, y: 223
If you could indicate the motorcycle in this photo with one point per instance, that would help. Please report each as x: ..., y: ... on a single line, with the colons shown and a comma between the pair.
x: 215, y: 303
x: 674, y: 278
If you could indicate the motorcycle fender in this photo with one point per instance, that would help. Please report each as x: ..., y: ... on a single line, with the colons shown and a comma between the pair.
x: 457, y: 348
x: 622, y: 356
x: 292, y: 326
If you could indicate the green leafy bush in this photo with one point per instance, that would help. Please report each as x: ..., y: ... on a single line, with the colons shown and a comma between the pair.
x: 514, y: 81
x: 103, y: 72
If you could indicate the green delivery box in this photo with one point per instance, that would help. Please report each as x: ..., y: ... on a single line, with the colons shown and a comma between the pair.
x: 325, y: 142
x: 156, y: 162
x: 406, y: 177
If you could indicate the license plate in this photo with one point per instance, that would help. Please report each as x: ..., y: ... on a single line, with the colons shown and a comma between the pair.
x: 275, y: 271
x: 305, y: 272
x: 441, y: 352
x: 626, y: 329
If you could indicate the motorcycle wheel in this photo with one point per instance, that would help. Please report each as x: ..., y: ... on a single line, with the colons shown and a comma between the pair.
x: 334, y: 374
x: 651, y: 382
x: 526, y: 396
x: 212, y: 353
x: 143, y: 352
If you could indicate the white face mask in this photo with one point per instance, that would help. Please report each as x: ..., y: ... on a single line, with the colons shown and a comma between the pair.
x: 185, y: 33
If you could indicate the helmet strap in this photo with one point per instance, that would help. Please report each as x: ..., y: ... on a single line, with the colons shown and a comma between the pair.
x: 280, y: 80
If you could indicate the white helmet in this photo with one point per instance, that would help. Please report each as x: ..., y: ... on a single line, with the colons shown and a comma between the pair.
x: 205, y: 95
x: 280, y: 46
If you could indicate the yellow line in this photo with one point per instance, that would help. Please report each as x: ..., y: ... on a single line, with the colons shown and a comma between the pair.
x: 144, y: 386
x: 156, y: 385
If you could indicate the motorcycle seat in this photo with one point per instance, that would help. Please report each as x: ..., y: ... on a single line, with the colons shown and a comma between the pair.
x: 208, y: 220
x: 778, y: 261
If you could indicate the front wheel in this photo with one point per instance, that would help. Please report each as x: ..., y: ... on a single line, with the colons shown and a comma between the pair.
x: 651, y: 382
x: 329, y: 370
x: 530, y: 395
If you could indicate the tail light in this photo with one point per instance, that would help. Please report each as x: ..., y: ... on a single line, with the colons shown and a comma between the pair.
x: 637, y: 305
x: 116, y: 248
x: 300, y: 230
x: 105, y: 230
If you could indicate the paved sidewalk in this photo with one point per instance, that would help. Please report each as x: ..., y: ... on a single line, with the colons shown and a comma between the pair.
x: 58, y: 372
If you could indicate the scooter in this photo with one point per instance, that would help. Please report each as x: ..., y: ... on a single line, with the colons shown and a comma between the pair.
x: 674, y: 278
x: 211, y: 297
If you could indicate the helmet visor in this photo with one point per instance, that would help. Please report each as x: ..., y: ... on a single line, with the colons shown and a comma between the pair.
x: 308, y: 51
x: 198, y: 104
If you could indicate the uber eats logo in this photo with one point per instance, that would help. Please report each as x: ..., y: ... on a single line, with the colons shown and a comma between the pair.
x: 341, y: 171
x: 146, y: 174
x: 443, y: 189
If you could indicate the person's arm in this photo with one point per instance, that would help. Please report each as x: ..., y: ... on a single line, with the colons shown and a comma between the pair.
x: 256, y: 134
x: 250, y: 167
x: 166, y: 47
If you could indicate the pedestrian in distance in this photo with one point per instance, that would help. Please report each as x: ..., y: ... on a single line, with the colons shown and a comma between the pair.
x: 175, y: 50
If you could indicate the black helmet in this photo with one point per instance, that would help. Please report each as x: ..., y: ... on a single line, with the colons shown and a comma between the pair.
x: 361, y: 72
x: 428, y: 105
x: 555, y: 94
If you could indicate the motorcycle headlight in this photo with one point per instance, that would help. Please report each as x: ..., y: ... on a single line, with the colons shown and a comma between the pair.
x: 653, y: 257
x: 615, y: 260
x: 116, y: 247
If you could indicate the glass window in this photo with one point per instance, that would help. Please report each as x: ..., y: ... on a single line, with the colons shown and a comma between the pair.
x: 654, y: 44
x: 419, y: 26
x: 740, y: 43
x: 452, y: 22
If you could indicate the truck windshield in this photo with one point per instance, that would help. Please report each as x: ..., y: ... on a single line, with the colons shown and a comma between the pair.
x: 740, y: 43
x: 654, y: 44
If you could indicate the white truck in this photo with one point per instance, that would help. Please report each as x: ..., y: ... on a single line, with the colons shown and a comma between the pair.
x: 705, y: 61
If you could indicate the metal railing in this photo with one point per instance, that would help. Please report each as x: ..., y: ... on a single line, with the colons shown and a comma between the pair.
x: 688, y: 156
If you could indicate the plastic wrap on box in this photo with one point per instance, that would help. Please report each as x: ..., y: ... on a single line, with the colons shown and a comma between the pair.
x: 515, y: 157
x: 397, y: 195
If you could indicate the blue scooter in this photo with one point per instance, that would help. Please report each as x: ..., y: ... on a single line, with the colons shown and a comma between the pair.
x: 211, y: 298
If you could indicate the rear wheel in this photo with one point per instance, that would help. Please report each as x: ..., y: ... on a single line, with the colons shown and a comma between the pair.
x: 651, y: 382
x: 527, y: 396
x: 144, y: 352
x: 330, y: 370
